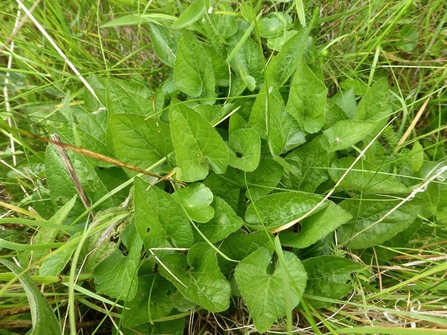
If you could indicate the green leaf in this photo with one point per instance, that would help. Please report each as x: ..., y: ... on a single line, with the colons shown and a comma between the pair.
x: 315, y: 227
x: 285, y: 63
x: 307, y: 99
x: 195, y: 200
x: 116, y: 276
x: 375, y: 105
x: 128, y: 97
x: 43, y: 318
x: 308, y: 167
x: 198, y: 277
x: 212, y: 114
x: 220, y: 68
x: 328, y: 277
x: 182, y: 304
x: 365, y: 177
x: 126, y: 20
x: 152, y: 301
x: 223, y: 188
x: 56, y: 262
x: 264, y: 179
x: 92, y: 130
x: 61, y: 185
x: 138, y: 141
x: 247, y: 12
x: 417, y: 157
x: 276, y: 43
x: 358, y: 86
x: 432, y: 197
x: 216, y: 41
x: 365, y: 231
x: 164, y: 43
x: 91, y: 102
x: 346, y: 101
x: 409, y: 37
x: 384, y: 254
x: 239, y: 245
x: 441, y: 211
x: 332, y: 114
x: 99, y: 245
x: 226, y: 25
x: 260, y: 111
x: 345, y: 134
x: 160, y: 220
x: 435, y: 199
x: 237, y: 121
x: 224, y: 222
x: 248, y: 61
x: 190, y: 15
x: 263, y: 290
x: 284, y: 132
x: 244, y: 149
x: 271, y: 121
x: 274, y: 25
x: 196, y: 144
x: 277, y: 209
x: 193, y: 71
x: 47, y: 235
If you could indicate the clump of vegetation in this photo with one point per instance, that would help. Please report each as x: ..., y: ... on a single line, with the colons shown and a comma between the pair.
x: 224, y: 166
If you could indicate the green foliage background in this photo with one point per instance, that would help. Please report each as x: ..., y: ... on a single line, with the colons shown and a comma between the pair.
x: 285, y: 158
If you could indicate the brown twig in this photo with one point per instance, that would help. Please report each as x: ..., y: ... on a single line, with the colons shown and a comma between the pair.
x: 411, y: 127
x: 88, y: 153
x: 73, y: 175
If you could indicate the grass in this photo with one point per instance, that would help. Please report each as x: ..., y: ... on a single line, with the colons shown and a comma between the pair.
x: 403, y: 41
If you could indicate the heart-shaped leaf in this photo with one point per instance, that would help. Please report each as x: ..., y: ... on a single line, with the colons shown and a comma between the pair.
x: 245, y: 149
x: 193, y: 71
x: 263, y: 290
x: 195, y: 200
x: 196, y: 143
x: 198, y: 277
x: 160, y: 220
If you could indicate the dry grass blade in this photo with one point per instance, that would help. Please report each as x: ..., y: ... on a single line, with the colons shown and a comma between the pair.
x: 18, y: 26
x: 73, y: 175
x: 411, y: 127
